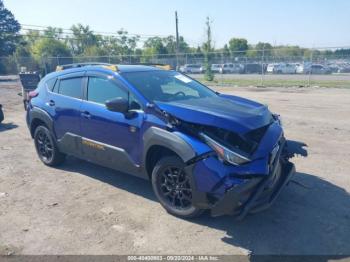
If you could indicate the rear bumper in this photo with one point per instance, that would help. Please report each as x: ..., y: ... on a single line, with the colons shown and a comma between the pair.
x: 254, y: 196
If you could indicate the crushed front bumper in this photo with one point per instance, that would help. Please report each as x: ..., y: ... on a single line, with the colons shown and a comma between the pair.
x: 256, y: 195
x: 240, y: 190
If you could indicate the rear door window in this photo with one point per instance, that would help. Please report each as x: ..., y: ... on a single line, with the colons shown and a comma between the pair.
x: 71, y: 87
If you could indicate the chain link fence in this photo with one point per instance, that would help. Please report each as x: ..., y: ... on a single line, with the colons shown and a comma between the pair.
x: 238, y: 69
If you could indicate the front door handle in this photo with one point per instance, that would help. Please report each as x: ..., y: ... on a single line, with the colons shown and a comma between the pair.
x: 86, y: 115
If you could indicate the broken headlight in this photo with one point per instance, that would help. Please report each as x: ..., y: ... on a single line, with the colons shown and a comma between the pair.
x: 224, y: 153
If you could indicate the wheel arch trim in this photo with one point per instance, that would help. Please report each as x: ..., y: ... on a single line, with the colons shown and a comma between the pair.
x: 39, y: 114
x: 156, y: 136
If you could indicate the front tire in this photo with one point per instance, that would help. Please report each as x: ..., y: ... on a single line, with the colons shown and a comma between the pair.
x: 46, y: 147
x: 172, y: 186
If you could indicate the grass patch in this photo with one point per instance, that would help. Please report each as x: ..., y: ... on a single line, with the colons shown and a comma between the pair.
x: 278, y: 82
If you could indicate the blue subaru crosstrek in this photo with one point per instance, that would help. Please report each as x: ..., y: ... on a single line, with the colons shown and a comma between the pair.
x: 202, y: 150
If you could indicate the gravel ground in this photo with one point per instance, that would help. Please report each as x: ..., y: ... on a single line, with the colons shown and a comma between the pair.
x: 81, y: 208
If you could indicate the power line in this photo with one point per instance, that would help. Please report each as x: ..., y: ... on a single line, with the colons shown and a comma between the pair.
x: 96, y: 32
x: 26, y: 30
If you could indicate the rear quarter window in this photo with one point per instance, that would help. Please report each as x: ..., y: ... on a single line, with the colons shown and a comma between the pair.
x: 50, y: 84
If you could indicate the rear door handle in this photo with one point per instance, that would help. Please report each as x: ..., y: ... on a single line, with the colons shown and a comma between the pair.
x: 86, y: 115
x: 51, y: 103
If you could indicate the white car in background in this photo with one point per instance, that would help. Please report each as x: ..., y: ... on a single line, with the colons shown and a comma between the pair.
x: 216, y: 68
x: 281, y: 68
x: 191, y: 69
x: 230, y: 68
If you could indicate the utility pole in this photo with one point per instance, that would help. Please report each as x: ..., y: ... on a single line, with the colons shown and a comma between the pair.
x: 177, y: 40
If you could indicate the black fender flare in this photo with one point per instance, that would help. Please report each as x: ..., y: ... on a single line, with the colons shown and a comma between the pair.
x: 156, y: 136
x: 161, y: 137
x: 39, y: 114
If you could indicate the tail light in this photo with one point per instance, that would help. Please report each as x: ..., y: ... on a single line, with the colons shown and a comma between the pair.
x: 32, y: 94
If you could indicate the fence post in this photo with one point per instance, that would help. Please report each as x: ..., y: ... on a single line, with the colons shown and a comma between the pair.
x: 16, y: 62
x: 309, y: 77
x: 262, y: 65
x: 44, y: 64
x: 222, y: 64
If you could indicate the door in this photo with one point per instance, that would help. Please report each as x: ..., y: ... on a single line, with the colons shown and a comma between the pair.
x: 64, y: 104
x: 110, y: 138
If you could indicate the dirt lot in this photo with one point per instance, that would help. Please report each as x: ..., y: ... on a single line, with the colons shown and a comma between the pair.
x: 81, y: 208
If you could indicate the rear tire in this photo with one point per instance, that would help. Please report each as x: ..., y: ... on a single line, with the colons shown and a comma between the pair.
x: 46, y: 147
x: 172, y: 187
x: 1, y: 114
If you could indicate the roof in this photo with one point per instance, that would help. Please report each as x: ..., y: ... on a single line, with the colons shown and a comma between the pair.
x: 74, y: 68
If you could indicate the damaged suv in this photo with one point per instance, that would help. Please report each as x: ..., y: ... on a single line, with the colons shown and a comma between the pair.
x: 202, y: 150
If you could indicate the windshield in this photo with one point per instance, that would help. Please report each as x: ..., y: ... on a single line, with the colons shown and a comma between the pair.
x: 167, y: 86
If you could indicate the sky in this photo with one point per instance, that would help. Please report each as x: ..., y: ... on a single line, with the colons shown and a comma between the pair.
x: 307, y: 23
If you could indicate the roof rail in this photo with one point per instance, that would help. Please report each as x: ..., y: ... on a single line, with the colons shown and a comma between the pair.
x: 161, y: 66
x: 109, y: 66
x: 77, y: 65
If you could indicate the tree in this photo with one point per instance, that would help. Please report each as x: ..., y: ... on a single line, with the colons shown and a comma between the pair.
x: 208, y: 48
x: 155, y: 46
x: 238, y: 46
x: 82, y: 38
x: 170, y: 44
x: 94, y: 50
x: 342, y: 52
x: 122, y: 44
x: 49, y: 47
x: 260, y: 49
x: 9, y: 29
x: 53, y: 32
x: 226, y: 51
x: 50, y: 52
x: 291, y: 51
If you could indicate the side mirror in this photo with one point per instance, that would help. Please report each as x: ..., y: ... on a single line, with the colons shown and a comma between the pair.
x: 118, y: 104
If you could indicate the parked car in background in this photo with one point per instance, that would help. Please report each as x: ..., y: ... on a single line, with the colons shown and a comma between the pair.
x: 253, y: 68
x: 334, y: 68
x: 281, y: 68
x: 301, y: 68
x: 313, y: 69
x: 271, y: 68
x: 216, y: 68
x: 344, y: 68
x: 230, y: 68
x: 191, y: 69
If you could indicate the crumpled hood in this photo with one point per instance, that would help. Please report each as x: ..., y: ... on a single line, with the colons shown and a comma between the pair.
x: 232, y: 113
